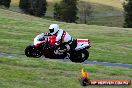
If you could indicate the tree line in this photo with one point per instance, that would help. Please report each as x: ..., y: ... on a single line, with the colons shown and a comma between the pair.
x: 127, y: 5
x: 66, y: 10
x: 33, y: 7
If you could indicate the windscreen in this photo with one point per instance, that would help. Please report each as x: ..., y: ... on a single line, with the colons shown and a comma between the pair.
x: 42, y: 37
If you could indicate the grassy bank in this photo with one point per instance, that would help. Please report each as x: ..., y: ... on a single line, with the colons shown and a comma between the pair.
x: 22, y: 72
x: 110, y: 44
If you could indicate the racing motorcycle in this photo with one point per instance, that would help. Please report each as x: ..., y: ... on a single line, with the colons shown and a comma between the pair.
x: 44, y: 45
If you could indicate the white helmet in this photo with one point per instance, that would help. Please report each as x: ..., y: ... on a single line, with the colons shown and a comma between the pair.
x: 53, y: 28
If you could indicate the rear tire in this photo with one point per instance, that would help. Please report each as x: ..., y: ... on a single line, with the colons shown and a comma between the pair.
x: 32, y: 51
x: 79, y: 56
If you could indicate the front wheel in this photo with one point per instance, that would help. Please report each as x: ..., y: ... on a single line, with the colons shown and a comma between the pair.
x: 32, y: 51
x: 79, y: 56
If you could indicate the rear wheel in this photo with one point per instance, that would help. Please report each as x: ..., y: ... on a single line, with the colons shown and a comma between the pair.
x: 79, y: 56
x: 32, y: 51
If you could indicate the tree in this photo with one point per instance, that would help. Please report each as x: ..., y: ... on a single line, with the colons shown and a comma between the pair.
x: 38, y: 7
x: 24, y: 5
x: 57, y: 10
x: 34, y: 7
x: 128, y: 13
x: 66, y: 11
x: 6, y: 3
x: 85, y: 11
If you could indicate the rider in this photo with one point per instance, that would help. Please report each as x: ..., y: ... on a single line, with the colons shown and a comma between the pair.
x: 62, y: 37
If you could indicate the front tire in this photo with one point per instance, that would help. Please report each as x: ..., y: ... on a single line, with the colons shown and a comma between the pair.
x: 79, y: 56
x: 32, y: 51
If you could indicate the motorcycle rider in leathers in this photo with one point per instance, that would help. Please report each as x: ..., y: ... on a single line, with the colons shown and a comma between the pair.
x: 62, y: 37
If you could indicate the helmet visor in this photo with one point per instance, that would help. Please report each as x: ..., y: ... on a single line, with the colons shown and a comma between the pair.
x: 51, y: 30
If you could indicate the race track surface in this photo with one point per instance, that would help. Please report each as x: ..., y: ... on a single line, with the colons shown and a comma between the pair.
x: 85, y: 62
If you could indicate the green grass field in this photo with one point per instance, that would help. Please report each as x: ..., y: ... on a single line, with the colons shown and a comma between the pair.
x: 111, y: 44
x: 22, y: 72
x: 107, y: 21
x: 108, y: 43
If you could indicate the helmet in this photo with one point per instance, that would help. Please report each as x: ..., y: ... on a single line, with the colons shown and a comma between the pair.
x: 53, y: 28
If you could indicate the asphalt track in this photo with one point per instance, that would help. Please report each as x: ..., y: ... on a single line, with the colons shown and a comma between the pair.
x: 85, y: 62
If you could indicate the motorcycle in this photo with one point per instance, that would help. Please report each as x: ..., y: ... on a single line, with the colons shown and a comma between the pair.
x: 44, y: 45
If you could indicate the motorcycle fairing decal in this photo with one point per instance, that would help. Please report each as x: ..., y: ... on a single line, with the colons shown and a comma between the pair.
x: 82, y: 40
x: 82, y: 43
x: 36, y: 44
x: 52, y: 39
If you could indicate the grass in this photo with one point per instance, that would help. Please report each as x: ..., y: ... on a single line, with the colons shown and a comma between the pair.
x: 108, y: 21
x: 113, y: 3
x: 110, y: 44
x: 104, y: 11
x: 17, y: 30
x: 22, y: 72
